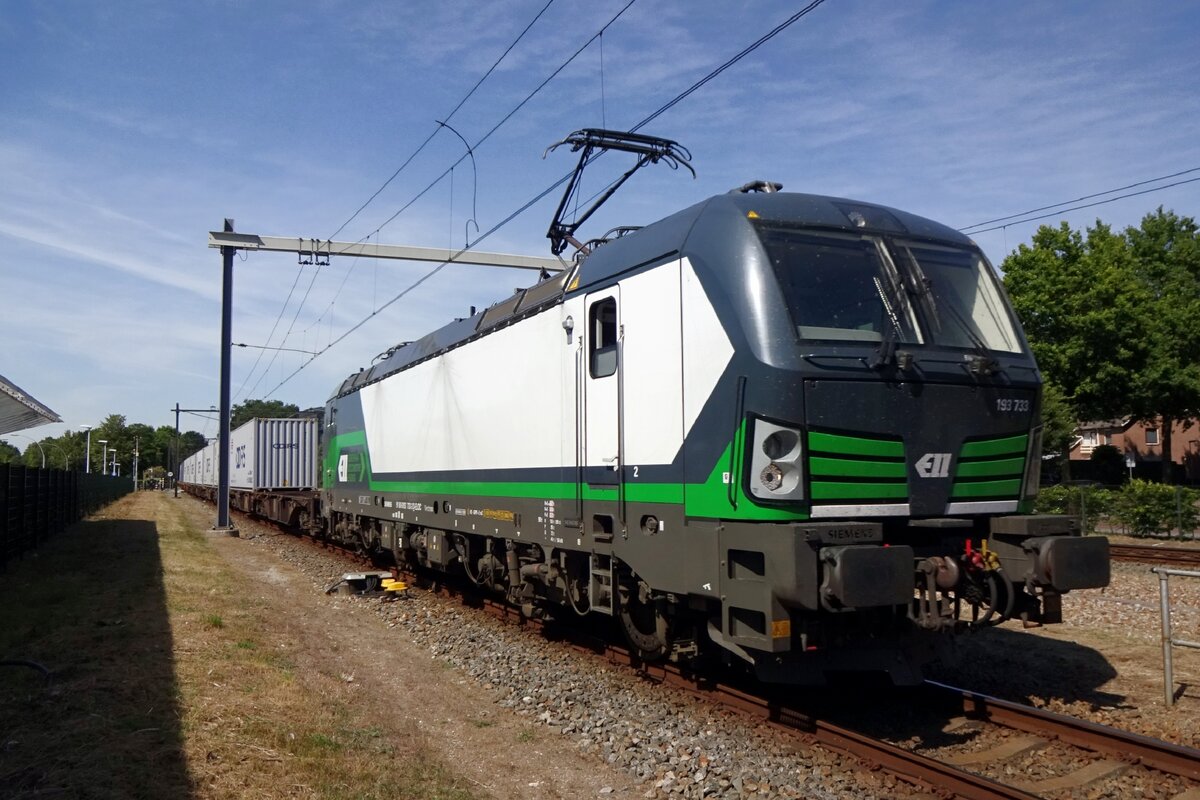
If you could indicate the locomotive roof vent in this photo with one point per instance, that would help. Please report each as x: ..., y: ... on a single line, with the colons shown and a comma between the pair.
x: 765, y: 187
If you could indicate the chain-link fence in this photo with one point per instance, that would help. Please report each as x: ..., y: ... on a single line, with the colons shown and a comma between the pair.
x: 1137, y: 508
x: 35, y: 503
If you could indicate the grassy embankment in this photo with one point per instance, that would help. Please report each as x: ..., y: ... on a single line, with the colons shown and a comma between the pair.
x: 164, y: 682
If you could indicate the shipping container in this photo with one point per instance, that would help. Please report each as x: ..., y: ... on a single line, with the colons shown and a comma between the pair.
x: 269, y: 454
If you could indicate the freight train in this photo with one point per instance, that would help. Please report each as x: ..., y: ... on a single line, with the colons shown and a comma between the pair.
x: 798, y: 431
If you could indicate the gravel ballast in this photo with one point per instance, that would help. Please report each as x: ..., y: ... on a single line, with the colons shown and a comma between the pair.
x: 674, y: 746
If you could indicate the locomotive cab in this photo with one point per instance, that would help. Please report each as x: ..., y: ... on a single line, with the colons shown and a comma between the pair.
x: 887, y: 398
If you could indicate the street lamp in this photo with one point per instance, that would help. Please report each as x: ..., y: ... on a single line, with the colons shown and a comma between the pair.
x: 35, y: 441
x: 113, y: 473
x: 62, y: 451
x: 88, y: 458
x: 104, y: 458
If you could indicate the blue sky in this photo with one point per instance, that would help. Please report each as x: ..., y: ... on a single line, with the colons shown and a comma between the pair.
x: 128, y: 130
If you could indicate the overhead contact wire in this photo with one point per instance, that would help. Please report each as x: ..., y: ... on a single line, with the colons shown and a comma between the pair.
x: 434, y: 132
x: 690, y: 90
x: 283, y: 308
x: 529, y: 204
x: 766, y: 37
x: 401, y: 168
x: 1086, y: 205
x: 1085, y: 197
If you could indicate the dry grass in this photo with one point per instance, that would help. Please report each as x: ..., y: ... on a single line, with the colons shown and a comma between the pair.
x: 167, y: 683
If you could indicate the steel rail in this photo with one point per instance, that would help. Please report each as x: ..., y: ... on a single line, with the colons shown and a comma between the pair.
x: 906, y: 765
x: 1154, y: 554
x: 1163, y: 756
x: 909, y: 766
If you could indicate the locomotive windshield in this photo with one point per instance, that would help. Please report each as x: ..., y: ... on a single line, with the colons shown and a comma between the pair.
x: 856, y: 287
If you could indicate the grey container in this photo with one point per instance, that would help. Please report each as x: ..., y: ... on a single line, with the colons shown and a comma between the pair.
x: 274, y: 454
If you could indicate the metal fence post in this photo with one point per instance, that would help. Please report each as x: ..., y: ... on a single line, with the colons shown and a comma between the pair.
x: 1164, y: 597
x: 1168, y: 639
x: 1179, y: 510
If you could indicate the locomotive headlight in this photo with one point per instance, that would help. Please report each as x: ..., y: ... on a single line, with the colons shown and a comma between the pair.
x: 772, y: 477
x: 776, y: 462
x: 781, y: 444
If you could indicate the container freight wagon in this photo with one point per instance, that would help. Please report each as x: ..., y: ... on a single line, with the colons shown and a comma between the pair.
x: 272, y: 469
x: 268, y: 454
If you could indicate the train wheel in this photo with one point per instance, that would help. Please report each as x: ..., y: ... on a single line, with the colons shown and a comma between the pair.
x: 644, y: 622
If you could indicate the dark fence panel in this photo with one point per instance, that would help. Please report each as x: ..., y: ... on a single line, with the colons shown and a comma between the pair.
x: 35, y: 503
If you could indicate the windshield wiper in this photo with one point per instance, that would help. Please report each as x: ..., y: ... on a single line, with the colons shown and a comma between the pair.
x: 886, y: 353
x: 982, y: 364
x: 895, y: 301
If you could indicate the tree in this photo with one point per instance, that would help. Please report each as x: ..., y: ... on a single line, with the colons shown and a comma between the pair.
x: 1109, y: 464
x: 9, y: 454
x: 250, y: 409
x: 1058, y: 427
x: 141, y: 438
x: 1166, y: 250
x: 190, y: 442
x: 1108, y: 316
x: 1086, y: 315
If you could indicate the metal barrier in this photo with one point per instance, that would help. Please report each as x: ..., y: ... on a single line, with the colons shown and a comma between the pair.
x: 1168, y: 640
x: 35, y: 503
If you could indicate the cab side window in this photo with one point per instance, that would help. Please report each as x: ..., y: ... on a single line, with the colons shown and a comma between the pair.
x: 602, y: 325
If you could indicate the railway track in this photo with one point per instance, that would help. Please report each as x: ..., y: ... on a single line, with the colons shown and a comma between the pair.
x: 1156, y: 554
x: 1076, y: 752
x: 1090, y: 754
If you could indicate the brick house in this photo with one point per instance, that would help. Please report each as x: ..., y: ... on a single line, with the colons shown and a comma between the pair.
x: 1143, y: 440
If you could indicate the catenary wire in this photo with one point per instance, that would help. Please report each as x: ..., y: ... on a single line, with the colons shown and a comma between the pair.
x: 1080, y: 199
x: 481, y: 140
x: 1085, y: 205
x: 454, y: 111
x: 429, y: 274
x: 266, y: 371
x: 509, y: 116
x: 787, y: 23
x: 393, y: 176
x: 665, y: 107
x: 271, y: 335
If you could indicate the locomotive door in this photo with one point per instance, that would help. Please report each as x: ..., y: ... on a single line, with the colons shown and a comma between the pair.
x: 602, y: 445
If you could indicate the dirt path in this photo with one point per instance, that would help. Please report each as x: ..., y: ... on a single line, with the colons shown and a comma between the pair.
x: 405, y: 689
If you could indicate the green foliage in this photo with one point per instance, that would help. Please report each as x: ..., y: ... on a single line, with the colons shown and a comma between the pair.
x: 1091, y: 504
x: 1058, y: 421
x: 1085, y: 315
x: 1144, y: 508
x: 69, y: 450
x: 1112, y: 316
x: 189, y: 443
x: 1058, y: 427
x: 248, y: 410
x: 1139, y: 508
x: 1053, y: 500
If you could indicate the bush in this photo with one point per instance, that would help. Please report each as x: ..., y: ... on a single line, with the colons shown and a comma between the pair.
x: 1088, y: 503
x: 1053, y: 500
x: 1146, y: 508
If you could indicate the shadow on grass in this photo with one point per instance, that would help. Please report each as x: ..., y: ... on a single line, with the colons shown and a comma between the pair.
x: 90, y: 607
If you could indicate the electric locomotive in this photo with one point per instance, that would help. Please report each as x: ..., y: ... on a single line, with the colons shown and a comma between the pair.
x: 797, y: 430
